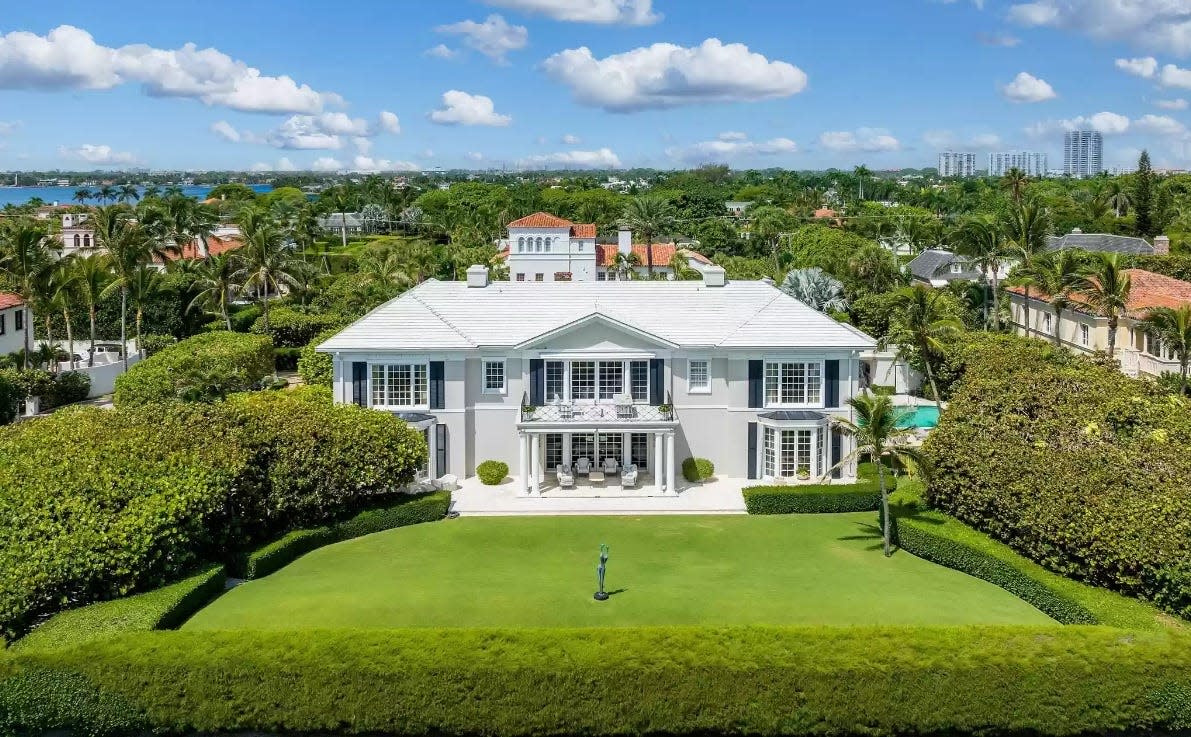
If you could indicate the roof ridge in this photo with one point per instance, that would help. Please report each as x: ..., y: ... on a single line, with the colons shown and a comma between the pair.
x: 444, y: 320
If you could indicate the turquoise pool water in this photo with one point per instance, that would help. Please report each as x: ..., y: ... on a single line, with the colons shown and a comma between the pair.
x: 923, y: 417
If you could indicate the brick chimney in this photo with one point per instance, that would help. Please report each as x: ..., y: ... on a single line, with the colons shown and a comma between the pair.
x: 624, y: 240
x: 1161, y: 245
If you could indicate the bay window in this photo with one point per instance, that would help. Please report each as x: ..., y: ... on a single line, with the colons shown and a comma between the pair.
x: 400, y: 385
x: 793, y: 383
x: 794, y: 453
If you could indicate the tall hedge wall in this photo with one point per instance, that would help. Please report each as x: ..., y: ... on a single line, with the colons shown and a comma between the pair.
x: 101, y: 503
x: 1087, y: 473
x: 209, y: 364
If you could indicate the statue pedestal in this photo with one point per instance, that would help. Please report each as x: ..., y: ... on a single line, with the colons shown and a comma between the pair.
x: 601, y: 596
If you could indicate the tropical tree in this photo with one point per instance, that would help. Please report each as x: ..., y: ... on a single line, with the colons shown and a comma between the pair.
x: 926, y: 328
x: 816, y: 288
x: 1015, y: 182
x: 1118, y: 197
x: 343, y: 199
x: 1105, y: 285
x: 1056, y: 274
x: 64, y: 283
x: 91, y: 277
x: 385, y: 267
x: 768, y: 225
x: 861, y: 173
x: 879, y: 438
x: 624, y: 265
x: 129, y: 246
x: 1025, y: 231
x: 649, y: 215
x: 128, y: 193
x: 1143, y: 195
x: 145, y: 284
x: 1172, y: 327
x: 978, y: 240
x: 82, y: 194
x: 265, y: 265
x: 106, y: 193
x: 26, y: 259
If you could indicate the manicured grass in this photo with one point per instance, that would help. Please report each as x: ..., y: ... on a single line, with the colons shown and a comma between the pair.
x: 540, y: 571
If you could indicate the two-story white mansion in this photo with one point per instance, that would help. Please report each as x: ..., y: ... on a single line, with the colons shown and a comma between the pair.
x: 541, y: 375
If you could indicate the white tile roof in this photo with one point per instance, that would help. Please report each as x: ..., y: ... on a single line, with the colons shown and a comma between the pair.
x: 451, y: 316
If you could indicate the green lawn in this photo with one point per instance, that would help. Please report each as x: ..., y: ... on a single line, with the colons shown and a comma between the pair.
x: 540, y: 571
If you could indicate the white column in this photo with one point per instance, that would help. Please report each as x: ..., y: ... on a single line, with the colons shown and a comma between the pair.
x: 626, y: 449
x: 523, y: 447
x: 658, y: 463
x: 671, y: 487
x: 535, y: 462
x: 566, y: 450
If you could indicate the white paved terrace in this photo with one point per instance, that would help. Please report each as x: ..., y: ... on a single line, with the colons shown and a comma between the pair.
x: 718, y: 496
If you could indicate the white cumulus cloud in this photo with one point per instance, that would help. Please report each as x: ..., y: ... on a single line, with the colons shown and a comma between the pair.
x: 603, y: 158
x: 325, y: 131
x: 731, y: 145
x: 1107, y: 123
x: 8, y: 127
x: 390, y: 122
x: 1159, y: 125
x: 442, y: 51
x: 369, y: 164
x: 1174, y: 76
x: 665, y: 75
x: 624, y: 12
x: 226, y: 131
x: 1177, y: 103
x: 493, y: 38
x: 1162, y: 25
x: 283, y: 164
x: 462, y: 108
x: 945, y: 139
x: 69, y: 58
x: 327, y: 163
x: 1144, y: 67
x: 862, y: 139
x: 1025, y: 87
x: 100, y: 155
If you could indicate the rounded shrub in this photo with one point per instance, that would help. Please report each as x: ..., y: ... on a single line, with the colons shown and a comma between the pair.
x: 492, y: 473
x: 697, y: 469
x: 292, y: 328
x: 68, y: 387
x: 153, y: 343
x: 207, y: 366
x: 317, y: 369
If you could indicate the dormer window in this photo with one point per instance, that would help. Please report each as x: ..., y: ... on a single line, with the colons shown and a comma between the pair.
x: 956, y: 267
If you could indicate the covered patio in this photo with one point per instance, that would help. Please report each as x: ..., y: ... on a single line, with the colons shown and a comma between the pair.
x: 583, y: 456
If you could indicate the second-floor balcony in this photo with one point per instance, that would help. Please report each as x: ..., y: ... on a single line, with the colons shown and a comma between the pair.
x: 597, y: 413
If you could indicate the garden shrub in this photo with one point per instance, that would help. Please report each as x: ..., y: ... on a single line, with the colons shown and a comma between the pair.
x: 10, y: 397
x: 55, y: 390
x: 206, y: 366
x: 68, y: 387
x: 286, y: 359
x: 1088, y: 472
x: 697, y: 469
x: 317, y: 369
x: 492, y: 473
x: 242, y: 319
x: 292, y: 328
x: 155, y: 343
x: 617, y: 681
x: 280, y: 553
x: 812, y: 498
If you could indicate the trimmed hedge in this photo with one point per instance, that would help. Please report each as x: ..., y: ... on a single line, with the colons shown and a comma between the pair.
x: 286, y: 359
x: 697, y: 469
x: 292, y: 328
x: 492, y: 473
x: 163, y: 608
x: 862, y: 496
x: 410, y: 511
x: 55, y: 390
x: 317, y: 369
x: 1088, y: 472
x: 625, y: 681
x: 209, y: 365
x: 152, y: 344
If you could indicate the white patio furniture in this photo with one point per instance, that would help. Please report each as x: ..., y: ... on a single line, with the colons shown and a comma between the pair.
x: 566, y: 412
x: 566, y: 480
x: 628, y: 477
x: 610, y: 466
x: 596, y: 478
x: 624, y: 407
x: 583, y: 466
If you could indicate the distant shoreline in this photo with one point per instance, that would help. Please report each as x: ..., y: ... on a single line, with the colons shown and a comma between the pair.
x: 10, y: 195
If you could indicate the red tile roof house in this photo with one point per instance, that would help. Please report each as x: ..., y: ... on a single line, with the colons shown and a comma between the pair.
x: 15, y: 321
x: 543, y: 248
x: 1082, y: 331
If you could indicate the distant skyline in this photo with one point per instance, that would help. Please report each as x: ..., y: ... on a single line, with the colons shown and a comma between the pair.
x: 373, y: 85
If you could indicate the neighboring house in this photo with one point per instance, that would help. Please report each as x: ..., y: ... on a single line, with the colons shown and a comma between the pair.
x: 546, y: 248
x: 1085, y: 332
x: 937, y: 267
x: 737, y: 208
x: 540, y: 375
x: 335, y: 223
x: 76, y: 234
x: 1104, y: 242
x: 15, y: 319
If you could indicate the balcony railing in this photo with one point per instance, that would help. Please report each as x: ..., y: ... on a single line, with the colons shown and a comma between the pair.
x: 596, y: 413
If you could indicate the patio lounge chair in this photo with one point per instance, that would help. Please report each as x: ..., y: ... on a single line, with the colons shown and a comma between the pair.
x: 610, y: 466
x: 628, y: 477
x: 583, y: 466
x: 566, y: 480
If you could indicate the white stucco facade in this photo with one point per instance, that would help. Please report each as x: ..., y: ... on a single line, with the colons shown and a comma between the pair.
x: 15, y: 319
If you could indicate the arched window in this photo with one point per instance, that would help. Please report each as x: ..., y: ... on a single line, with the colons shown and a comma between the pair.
x: 538, y: 245
x: 547, y: 245
x: 521, y: 244
x: 86, y: 240
x: 77, y: 240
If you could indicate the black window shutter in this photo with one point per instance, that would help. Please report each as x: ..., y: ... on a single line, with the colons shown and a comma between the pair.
x: 756, y: 383
x: 438, y: 389
x: 753, y: 450
x: 831, y: 379
x: 537, y: 382
x: 440, y: 450
x: 837, y: 450
x: 656, y: 383
x: 360, y: 383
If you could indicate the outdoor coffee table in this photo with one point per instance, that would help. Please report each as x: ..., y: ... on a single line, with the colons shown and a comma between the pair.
x: 596, y: 478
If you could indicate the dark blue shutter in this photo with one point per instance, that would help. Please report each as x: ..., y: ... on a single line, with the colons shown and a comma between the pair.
x: 438, y: 388
x: 753, y: 450
x: 537, y: 382
x: 831, y: 379
x: 756, y: 383
x: 360, y: 383
x: 656, y: 385
x: 440, y: 450
x: 837, y: 451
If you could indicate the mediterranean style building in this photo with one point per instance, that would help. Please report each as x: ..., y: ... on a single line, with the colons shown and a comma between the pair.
x: 546, y: 248
x: 15, y: 319
x: 550, y: 377
x: 1083, y: 331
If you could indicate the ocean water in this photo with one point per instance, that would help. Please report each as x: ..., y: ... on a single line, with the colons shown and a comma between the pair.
x: 65, y: 195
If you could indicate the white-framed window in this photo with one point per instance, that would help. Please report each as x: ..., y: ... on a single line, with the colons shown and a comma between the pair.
x: 520, y: 277
x: 601, y: 276
x: 521, y: 244
x: 539, y: 277
x: 1047, y: 322
x: 793, y: 383
x: 583, y: 381
x: 538, y: 245
x: 596, y: 381
x: 556, y: 389
x: 698, y: 376
x: 494, y: 376
x: 787, y: 452
x: 611, y: 379
x: 1083, y: 334
x: 639, y: 380
x: 547, y: 245
x: 957, y: 267
x: 768, y: 457
x: 400, y: 385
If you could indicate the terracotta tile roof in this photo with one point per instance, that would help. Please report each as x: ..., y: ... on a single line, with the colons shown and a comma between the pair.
x: 825, y: 212
x: 216, y: 245
x: 695, y: 255
x: 10, y: 299
x: 583, y: 230
x: 662, y: 253
x: 541, y: 220
x: 1147, y: 291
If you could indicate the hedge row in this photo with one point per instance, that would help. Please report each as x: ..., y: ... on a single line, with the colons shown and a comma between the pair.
x: 99, y: 503
x: 616, y: 681
x: 163, y: 608
x: 317, y: 369
x: 55, y: 390
x: 862, y: 496
x: 209, y: 365
x: 407, y: 511
x: 292, y: 328
x: 1088, y: 472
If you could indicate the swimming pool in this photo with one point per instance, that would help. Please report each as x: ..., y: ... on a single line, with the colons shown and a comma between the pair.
x: 923, y: 416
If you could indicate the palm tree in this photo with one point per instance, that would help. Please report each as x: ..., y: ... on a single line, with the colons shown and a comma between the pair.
x: 128, y: 193
x: 1056, y: 274
x: 861, y: 173
x: 64, y: 280
x: 1172, y: 327
x: 624, y: 265
x: 26, y: 258
x: 878, y: 437
x: 1118, y: 198
x: 82, y: 194
x: 816, y: 288
x: 978, y: 241
x: 1015, y: 182
x: 1106, y: 285
x: 264, y: 263
x: 92, y: 275
x: 342, y: 199
x: 129, y: 246
x: 649, y: 215
x: 385, y: 268
x: 106, y: 194
x: 215, y: 280
x: 1026, y: 231
x: 927, y: 328
x: 145, y: 284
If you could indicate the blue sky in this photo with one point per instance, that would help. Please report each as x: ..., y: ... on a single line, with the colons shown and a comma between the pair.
x: 399, y: 84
